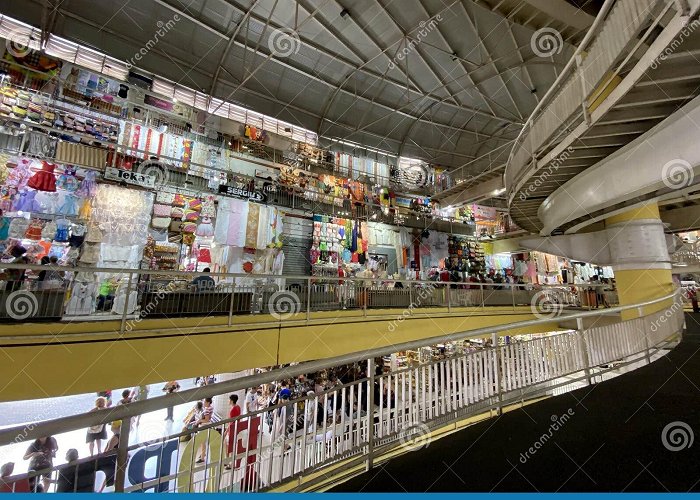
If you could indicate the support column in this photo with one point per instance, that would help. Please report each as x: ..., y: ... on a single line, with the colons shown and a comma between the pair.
x: 639, y: 279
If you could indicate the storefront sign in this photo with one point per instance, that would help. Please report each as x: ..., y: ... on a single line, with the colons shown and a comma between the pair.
x: 242, y: 193
x: 144, y: 180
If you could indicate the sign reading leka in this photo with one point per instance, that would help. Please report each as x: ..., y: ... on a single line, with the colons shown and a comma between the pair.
x: 256, y: 195
x: 130, y: 177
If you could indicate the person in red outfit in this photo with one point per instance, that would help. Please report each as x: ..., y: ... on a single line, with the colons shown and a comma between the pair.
x: 234, y: 412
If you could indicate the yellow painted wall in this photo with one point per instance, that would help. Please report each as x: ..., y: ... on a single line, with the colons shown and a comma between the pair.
x: 48, y: 360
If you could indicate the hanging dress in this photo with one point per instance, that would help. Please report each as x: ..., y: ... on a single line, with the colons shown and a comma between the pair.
x: 44, y: 180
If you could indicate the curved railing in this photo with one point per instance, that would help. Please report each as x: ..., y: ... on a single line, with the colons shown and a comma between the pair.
x: 589, y: 71
x: 348, y: 425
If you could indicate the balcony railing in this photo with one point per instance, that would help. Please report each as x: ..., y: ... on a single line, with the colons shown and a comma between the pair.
x: 355, y: 423
x: 72, y: 294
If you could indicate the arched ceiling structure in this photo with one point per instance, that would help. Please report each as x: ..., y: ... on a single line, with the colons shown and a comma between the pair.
x: 447, y: 81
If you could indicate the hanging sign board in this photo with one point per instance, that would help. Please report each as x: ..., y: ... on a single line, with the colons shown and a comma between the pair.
x: 136, y: 178
x: 256, y: 195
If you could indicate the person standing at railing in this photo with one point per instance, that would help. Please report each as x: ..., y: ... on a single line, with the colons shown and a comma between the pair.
x: 231, y: 430
x: 204, y: 283
x: 15, y: 277
x: 96, y: 433
x: 40, y: 455
x: 171, y: 388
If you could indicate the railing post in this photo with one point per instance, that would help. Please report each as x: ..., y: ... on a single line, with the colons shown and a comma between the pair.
x: 499, y: 363
x: 512, y: 295
x: 370, y: 413
x: 583, y: 345
x: 233, y: 298
x: 122, y: 456
x: 640, y: 312
x: 410, y: 293
x: 308, y: 299
x: 447, y: 295
x: 126, y: 303
x: 582, y: 79
x: 483, y: 299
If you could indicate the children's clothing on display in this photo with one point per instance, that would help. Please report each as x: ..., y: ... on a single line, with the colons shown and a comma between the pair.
x: 46, y: 203
x: 81, y: 302
x: 69, y: 205
x: 88, y: 187
x: 20, y: 175
x: 205, y: 228
x: 62, y: 228
x: 24, y: 201
x: 4, y: 228
x: 44, y: 180
x: 67, y: 180
x: 34, y: 230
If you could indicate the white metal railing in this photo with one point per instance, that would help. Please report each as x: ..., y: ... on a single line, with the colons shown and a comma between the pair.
x: 72, y: 293
x: 616, y: 25
x: 352, y: 423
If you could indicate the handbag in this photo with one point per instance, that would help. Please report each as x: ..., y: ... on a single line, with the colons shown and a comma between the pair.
x: 161, y: 222
x: 165, y: 197
x: 178, y: 200
x: 188, y: 227
x: 175, y: 226
x: 177, y: 213
x: 191, y: 215
x: 161, y: 210
x: 194, y: 204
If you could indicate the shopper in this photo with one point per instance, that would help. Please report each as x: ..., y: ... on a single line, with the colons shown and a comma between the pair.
x: 9, y: 486
x: 208, y: 417
x: 231, y: 430
x: 74, y: 477
x: 15, y: 277
x: 204, y: 283
x: 96, y: 433
x: 139, y: 393
x: 40, y: 455
x: 251, y: 399
x: 171, y: 388
x: 108, y: 464
x: 126, y: 397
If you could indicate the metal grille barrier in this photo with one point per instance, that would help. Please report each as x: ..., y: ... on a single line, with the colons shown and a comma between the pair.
x: 143, y: 294
x: 274, y: 445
